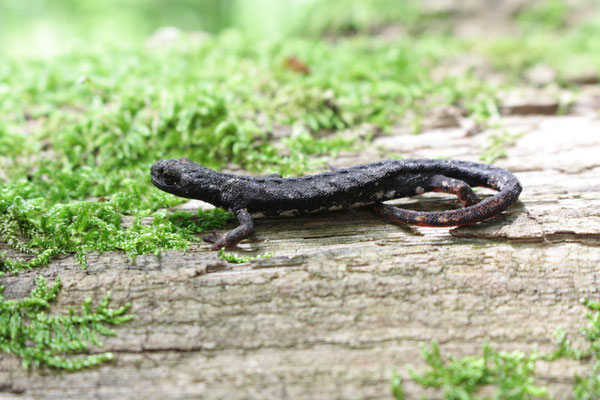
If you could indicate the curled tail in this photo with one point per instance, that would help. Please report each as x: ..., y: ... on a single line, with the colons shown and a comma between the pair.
x: 457, y: 177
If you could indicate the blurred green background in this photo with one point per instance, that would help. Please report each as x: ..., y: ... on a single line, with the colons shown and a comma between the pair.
x: 41, y: 28
x: 48, y: 27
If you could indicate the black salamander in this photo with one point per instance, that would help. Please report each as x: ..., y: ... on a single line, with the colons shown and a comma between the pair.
x: 359, y: 186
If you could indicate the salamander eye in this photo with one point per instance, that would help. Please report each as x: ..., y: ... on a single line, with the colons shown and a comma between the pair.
x: 171, y: 176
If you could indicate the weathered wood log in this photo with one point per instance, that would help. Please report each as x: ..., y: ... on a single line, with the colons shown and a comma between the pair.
x: 349, y: 295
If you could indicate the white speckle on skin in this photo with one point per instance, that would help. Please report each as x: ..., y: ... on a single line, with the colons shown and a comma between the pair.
x: 390, y: 193
x: 335, y: 208
x: 289, y: 213
x: 379, y: 194
x: 420, y: 190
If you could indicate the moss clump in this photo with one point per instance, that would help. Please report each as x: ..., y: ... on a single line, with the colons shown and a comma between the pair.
x: 56, y: 341
x: 237, y: 259
x: 511, y: 374
x: 34, y: 227
x: 586, y: 387
x: 497, y: 145
x: 360, y: 16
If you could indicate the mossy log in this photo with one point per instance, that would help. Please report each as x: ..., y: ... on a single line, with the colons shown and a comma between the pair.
x: 347, y: 296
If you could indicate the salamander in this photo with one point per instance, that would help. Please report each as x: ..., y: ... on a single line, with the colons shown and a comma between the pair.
x: 359, y: 186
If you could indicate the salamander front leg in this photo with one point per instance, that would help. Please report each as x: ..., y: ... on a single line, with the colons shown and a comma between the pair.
x: 234, y: 236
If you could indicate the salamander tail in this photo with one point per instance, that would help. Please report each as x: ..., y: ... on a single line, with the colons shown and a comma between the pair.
x: 475, y: 174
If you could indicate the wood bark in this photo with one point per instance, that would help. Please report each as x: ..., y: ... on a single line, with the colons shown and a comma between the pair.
x: 347, y: 295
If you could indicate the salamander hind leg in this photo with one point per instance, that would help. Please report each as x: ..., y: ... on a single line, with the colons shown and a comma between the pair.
x: 437, y: 183
x: 234, y: 236
x: 441, y: 183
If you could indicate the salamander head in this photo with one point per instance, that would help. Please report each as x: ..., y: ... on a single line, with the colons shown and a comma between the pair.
x: 185, y: 178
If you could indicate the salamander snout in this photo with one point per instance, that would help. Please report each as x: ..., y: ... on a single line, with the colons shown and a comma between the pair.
x: 187, y: 179
x: 165, y: 173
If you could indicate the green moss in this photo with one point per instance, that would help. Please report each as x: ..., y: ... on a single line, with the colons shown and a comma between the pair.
x: 58, y: 341
x: 571, y: 52
x: 497, y: 145
x: 44, y: 231
x: 548, y: 14
x: 358, y: 16
x: 511, y: 374
x: 189, y: 224
x: 586, y: 387
x: 397, y: 387
x: 237, y: 259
